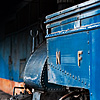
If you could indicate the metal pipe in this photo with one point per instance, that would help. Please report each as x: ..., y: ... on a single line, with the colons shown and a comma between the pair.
x: 67, y: 95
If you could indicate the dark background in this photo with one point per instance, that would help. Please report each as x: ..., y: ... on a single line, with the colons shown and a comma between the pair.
x: 18, y: 14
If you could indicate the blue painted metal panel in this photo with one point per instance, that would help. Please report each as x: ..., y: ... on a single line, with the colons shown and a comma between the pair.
x: 69, y: 62
x: 90, y: 20
x: 69, y: 20
x: 86, y: 28
x: 81, y: 34
x: 63, y: 27
x: 19, y: 51
x: 53, y: 25
x: 55, y: 29
x: 34, y: 67
x: 67, y: 26
x: 79, y: 10
x: 4, y: 51
x: 95, y: 63
x: 90, y: 13
x: 68, y: 73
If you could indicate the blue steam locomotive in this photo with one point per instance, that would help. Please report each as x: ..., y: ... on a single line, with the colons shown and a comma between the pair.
x: 66, y: 67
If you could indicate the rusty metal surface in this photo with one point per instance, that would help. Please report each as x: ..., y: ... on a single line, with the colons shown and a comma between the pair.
x: 8, y: 85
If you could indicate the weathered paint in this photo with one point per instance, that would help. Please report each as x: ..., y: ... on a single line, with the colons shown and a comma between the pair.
x: 15, y: 49
x: 11, y: 51
x: 8, y: 85
x: 81, y: 34
x: 34, y: 67
x: 69, y: 60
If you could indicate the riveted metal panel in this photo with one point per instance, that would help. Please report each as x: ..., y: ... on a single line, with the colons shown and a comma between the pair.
x: 34, y: 67
x: 76, y: 29
x: 69, y: 45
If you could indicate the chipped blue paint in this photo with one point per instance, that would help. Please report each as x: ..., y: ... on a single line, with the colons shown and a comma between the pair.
x: 81, y: 34
x: 69, y: 20
x: 14, y: 48
x: 62, y: 22
x: 87, y: 28
x: 34, y: 67
x: 53, y: 25
x: 69, y: 61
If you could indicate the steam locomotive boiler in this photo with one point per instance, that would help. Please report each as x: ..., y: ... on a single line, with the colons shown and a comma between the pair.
x: 67, y: 66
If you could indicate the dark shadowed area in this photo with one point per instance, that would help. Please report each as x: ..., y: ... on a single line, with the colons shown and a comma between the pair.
x: 4, y: 96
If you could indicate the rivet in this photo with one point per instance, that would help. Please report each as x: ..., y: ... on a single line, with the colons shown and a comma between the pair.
x: 82, y: 81
x: 91, y: 94
x: 88, y: 42
x: 62, y: 70
x: 79, y: 79
x: 88, y: 32
x: 73, y: 76
x: 89, y: 85
x: 70, y: 74
x: 85, y: 83
x: 88, y: 52
x: 67, y: 73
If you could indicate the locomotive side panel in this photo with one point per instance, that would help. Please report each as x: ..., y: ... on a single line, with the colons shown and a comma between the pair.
x: 95, y: 64
x: 68, y: 72
x: 73, y: 47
